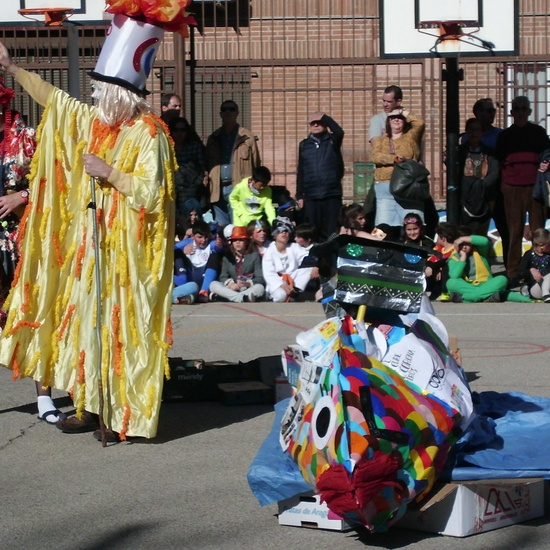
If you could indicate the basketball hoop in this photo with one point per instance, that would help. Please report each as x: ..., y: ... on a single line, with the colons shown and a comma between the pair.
x: 53, y: 17
x: 460, y: 31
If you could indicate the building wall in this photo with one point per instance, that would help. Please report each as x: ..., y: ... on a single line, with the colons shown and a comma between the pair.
x: 305, y: 55
x: 282, y: 60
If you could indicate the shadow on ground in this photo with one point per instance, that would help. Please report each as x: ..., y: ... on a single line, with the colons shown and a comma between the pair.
x: 179, y: 420
x: 32, y: 409
x: 187, y: 417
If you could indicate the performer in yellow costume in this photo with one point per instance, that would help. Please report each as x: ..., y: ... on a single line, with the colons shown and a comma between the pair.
x: 50, y: 333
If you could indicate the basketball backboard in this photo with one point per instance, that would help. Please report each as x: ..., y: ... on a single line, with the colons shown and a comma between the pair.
x: 83, y: 10
x: 426, y: 28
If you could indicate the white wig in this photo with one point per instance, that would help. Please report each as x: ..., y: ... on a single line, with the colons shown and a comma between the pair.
x: 117, y: 104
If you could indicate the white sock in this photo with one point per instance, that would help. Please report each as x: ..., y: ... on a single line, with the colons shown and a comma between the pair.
x: 45, y: 404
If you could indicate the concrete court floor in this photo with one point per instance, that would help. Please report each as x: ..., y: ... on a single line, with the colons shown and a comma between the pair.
x: 187, y: 489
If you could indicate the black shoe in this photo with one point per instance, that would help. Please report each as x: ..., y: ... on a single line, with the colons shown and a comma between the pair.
x: 513, y: 282
x: 296, y: 295
x: 202, y: 298
x: 546, y: 299
x: 495, y: 297
x: 457, y: 297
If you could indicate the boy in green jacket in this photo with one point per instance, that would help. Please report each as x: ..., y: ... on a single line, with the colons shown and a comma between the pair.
x: 470, y: 277
x: 250, y: 199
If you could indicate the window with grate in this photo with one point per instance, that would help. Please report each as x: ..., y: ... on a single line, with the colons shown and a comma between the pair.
x: 529, y: 79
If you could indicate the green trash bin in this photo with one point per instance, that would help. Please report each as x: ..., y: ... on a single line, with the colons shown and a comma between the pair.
x: 363, y: 184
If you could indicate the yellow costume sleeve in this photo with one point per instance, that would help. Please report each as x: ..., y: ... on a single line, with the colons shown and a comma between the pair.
x: 38, y: 89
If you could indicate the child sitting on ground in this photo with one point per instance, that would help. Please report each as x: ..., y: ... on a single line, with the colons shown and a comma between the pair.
x: 196, y: 264
x: 305, y: 237
x: 470, y: 277
x: 413, y: 232
x: 353, y: 221
x: 281, y: 264
x: 241, y: 277
x: 251, y: 198
x: 437, y: 271
x: 534, y: 267
x: 353, y: 216
x: 259, y: 232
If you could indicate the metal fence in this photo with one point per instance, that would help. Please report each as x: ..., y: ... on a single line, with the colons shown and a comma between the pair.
x: 281, y: 60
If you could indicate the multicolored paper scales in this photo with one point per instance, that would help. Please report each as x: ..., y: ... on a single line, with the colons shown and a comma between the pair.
x: 366, y: 440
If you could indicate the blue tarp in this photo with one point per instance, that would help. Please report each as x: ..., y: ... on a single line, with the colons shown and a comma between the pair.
x: 510, y: 438
x: 273, y: 475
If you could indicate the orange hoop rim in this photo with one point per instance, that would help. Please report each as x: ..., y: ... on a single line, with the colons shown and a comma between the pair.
x: 53, y: 16
x: 42, y: 11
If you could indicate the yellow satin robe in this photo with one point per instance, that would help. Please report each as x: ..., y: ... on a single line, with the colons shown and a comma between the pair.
x: 50, y: 333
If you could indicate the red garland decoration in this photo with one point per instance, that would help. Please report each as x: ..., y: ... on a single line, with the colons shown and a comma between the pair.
x: 6, y: 94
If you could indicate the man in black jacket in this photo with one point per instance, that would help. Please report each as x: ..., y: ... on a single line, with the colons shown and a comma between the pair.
x: 320, y: 172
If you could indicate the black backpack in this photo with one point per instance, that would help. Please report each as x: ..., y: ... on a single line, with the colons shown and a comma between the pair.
x: 474, y: 197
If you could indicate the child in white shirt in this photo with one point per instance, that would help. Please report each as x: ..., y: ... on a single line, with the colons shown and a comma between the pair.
x: 281, y: 264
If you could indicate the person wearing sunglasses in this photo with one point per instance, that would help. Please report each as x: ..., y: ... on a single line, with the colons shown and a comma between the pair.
x: 320, y: 172
x: 402, y: 141
x: 231, y: 156
x: 519, y: 148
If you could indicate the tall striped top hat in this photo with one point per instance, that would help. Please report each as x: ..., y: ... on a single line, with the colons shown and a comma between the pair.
x: 128, y: 54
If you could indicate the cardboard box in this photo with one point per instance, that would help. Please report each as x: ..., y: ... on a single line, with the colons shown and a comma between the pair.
x: 245, y: 393
x: 195, y: 380
x: 472, y: 507
x: 269, y: 368
x: 306, y: 510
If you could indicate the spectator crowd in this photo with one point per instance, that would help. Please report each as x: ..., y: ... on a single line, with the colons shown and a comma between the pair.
x: 236, y: 238
x: 240, y: 239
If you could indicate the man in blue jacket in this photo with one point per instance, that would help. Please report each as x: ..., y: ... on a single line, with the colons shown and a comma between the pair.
x: 320, y: 172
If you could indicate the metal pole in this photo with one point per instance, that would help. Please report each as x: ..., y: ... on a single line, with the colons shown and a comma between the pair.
x: 73, y: 58
x: 452, y: 75
x: 93, y: 207
x: 192, y: 77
